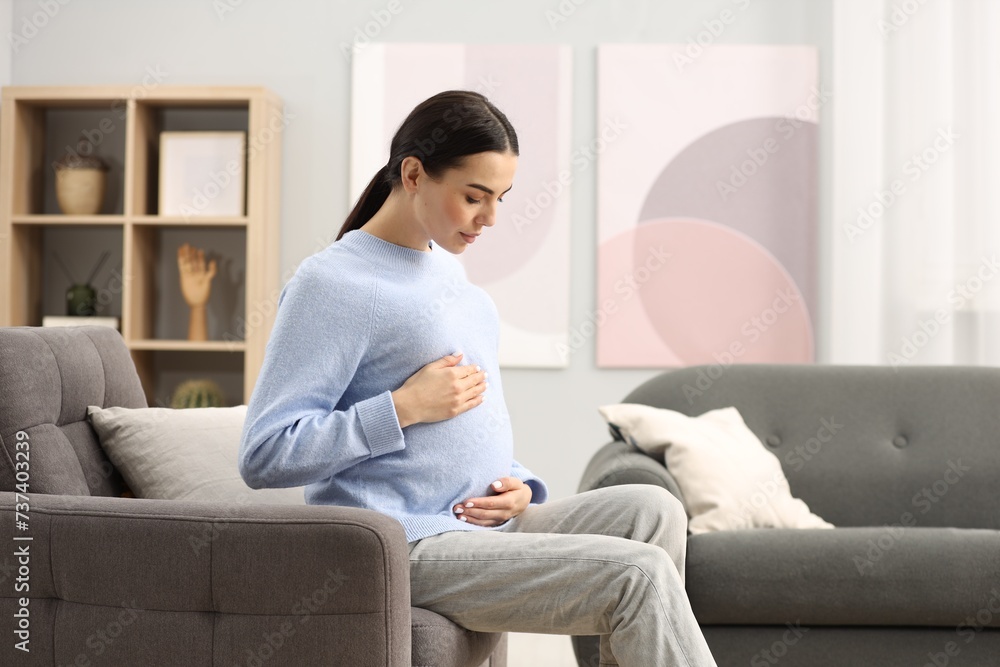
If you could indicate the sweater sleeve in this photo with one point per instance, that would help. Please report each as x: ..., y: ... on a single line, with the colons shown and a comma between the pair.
x: 539, y: 491
x: 293, y: 435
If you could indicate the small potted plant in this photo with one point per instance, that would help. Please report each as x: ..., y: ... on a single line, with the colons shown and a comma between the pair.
x: 81, y: 178
x: 81, y: 298
x: 197, y: 394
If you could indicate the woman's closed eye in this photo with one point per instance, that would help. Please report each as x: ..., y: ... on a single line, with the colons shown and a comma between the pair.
x: 472, y: 200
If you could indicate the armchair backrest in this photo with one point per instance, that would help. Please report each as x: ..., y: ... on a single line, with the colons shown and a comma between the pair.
x: 48, y: 377
x: 863, y: 445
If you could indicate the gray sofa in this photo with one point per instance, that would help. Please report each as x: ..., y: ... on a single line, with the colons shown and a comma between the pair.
x: 905, y: 462
x: 107, y: 580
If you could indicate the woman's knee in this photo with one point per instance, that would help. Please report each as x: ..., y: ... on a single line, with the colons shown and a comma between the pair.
x: 655, y: 500
x: 652, y: 512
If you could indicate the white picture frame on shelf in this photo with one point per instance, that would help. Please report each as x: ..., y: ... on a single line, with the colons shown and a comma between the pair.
x: 202, y: 174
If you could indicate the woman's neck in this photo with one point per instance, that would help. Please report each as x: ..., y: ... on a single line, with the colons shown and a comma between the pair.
x: 393, y: 223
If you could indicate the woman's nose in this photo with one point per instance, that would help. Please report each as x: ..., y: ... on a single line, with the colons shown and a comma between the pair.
x: 488, y: 217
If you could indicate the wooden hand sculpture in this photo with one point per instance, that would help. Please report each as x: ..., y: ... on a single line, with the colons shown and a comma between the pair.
x: 196, y: 285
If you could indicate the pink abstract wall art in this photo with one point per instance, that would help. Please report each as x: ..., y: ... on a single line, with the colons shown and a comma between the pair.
x: 707, y: 216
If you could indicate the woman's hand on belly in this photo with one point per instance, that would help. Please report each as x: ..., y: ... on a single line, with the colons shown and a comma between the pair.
x: 510, y: 496
x: 438, y: 391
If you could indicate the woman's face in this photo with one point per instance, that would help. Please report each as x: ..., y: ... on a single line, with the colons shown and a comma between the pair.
x: 456, y: 209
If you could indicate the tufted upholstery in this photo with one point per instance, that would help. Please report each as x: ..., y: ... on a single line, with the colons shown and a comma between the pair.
x: 155, y: 582
x: 905, y: 462
x: 48, y: 379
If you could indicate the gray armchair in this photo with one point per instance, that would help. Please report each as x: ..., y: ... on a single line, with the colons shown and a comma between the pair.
x: 125, y: 581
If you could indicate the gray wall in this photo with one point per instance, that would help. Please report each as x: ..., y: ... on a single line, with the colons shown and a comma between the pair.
x: 6, y: 54
x: 293, y: 47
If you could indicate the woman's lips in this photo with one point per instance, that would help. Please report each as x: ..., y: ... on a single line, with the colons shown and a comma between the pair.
x: 469, y: 238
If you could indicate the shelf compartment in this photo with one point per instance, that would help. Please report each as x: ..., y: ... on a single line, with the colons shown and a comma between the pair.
x: 44, y: 130
x: 157, y: 310
x: 161, y: 371
x: 151, y: 117
x: 38, y: 284
x: 80, y: 247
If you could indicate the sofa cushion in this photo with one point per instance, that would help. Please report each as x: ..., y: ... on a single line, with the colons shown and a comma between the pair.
x: 728, y: 479
x: 791, y: 644
x: 48, y: 377
x: 188, y: 454
x: 900, y: 574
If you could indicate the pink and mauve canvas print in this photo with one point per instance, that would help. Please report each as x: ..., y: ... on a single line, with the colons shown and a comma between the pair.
x: 707, y: 205
x: 523, y: 260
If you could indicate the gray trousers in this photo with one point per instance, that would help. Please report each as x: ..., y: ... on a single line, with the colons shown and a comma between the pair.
x: 607, y: 562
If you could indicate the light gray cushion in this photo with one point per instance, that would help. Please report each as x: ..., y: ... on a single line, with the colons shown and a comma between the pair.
x: 188, y: 454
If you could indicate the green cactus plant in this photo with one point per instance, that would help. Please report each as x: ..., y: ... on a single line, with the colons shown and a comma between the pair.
x: 197, y: 394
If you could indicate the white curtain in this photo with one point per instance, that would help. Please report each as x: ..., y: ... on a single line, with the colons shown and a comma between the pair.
x: 914, y: 274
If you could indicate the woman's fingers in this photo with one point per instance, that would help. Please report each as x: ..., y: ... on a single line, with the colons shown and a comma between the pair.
x: 471, y: 376
x: 475, y: 384
x: 483, y: 517
x: 477, y: 392
x: 509, y: 501
x: 509, y: 497
x: 480, y: 522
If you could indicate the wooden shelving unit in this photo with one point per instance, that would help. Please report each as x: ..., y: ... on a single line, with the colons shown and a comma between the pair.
x: 38, y: 122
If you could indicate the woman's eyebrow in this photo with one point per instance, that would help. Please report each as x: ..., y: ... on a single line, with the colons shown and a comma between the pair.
x: 486, y: 189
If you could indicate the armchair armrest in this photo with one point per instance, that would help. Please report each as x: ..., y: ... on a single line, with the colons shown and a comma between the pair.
x: 620, y: 463
x: 196, y: 583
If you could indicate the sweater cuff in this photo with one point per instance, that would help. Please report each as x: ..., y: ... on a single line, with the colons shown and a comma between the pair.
x: 380, y: 424
x: 539, y: 491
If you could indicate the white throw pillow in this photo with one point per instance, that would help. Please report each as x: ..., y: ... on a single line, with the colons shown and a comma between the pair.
x: 729, y: 480
x: 188, y: 454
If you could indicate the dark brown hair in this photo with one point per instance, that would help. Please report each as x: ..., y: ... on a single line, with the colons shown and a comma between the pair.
x: 440, y: 131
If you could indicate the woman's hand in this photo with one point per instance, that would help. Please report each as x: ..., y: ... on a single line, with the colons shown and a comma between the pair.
x: 510, y: 497
x: 440, y: 390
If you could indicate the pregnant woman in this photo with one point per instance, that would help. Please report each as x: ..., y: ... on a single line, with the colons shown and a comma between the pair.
x: 380, y: 388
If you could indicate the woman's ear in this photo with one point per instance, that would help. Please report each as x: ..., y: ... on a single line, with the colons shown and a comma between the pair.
x: 411, y: 171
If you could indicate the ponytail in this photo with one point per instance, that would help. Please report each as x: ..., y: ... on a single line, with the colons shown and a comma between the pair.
x: 369, y: 202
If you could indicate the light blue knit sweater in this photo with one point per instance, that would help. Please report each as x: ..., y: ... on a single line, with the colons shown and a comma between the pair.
x: 354, y: 322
